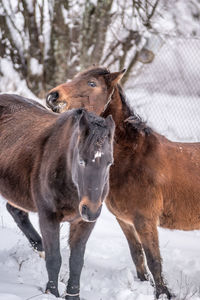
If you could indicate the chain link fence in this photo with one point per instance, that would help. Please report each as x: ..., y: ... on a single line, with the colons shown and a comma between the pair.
x: 166, y: 93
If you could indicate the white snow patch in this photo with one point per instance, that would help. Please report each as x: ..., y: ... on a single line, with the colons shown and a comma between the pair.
x: 108, y: 273
x: 9, y: 297
x: 29, y: 4
x: 36, y: 67
x: 11, y: 82
x: 98, y: 154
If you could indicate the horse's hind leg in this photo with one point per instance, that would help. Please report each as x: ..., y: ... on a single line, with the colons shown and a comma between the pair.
x: 23, y: 222
x: 79, y: 234
x: 136, y: 249
x: 147, y: 230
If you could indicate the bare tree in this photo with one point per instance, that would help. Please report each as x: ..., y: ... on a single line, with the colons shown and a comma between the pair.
x: 49, y: 41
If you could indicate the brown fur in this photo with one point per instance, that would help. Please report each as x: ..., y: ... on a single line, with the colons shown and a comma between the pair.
x: 153, y: 180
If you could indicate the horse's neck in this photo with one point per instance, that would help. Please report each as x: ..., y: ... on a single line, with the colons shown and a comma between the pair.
x: 117, y: 109
x: 130, y: 135
x: 120, y: 112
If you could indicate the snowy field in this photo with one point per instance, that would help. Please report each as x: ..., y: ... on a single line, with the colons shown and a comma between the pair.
x: 109, y: 273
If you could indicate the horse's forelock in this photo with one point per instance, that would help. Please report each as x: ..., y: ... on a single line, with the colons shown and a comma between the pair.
x: 94, y: 71
x: 96, y: 135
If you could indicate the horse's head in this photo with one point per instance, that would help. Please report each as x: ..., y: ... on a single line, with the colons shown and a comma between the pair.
x: 91, y: 89
x: 92, y: 158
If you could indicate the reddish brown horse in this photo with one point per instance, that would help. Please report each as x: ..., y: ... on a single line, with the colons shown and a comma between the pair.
x: 153, y: 181
x: 58, y: 166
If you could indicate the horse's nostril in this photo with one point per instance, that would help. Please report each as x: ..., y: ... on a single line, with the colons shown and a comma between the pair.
x: 52, y: 97
x: 84, y: 209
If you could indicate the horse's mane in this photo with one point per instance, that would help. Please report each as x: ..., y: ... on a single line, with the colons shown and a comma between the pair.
x: 96, y: 129
x: 132, y: 118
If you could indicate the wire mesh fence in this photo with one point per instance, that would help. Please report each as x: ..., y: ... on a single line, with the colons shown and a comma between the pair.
x: 166, y: 93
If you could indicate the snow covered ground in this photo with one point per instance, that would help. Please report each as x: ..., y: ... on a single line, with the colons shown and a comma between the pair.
x: 109, y: 273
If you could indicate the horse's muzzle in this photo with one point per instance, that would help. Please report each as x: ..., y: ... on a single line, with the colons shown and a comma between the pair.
x: 54, y: 104
x: 51, y: 99
x: 89, y: 214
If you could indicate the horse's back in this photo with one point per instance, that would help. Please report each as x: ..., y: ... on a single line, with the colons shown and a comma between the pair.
x: 181, y: 159
x: 12, y: 103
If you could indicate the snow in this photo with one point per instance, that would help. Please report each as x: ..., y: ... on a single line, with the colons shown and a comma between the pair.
x: 30, y: 5
x: 36, y: 67
x: 108, y: 272
x: 11, y: 82
x: 98, y: 154
x: 47, y: 14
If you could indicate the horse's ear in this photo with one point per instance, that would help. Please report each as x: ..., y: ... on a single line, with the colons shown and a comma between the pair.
x: 110, y: 122
x: 116, y: 76
x: 111, y: 125
x: 83, y: 123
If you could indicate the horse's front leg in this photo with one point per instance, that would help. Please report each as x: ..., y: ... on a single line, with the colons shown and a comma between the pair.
x: 79, y: 234
x: 50, y: 229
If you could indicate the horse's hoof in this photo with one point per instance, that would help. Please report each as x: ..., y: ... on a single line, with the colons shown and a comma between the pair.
x: 163, y: 297
x: 143, y: 276
x: 41, y: 254
x: 37, y: 246
x: 51, y: 289
x: 72, y: 297
x: 162, y: 293
x: 69, y: 296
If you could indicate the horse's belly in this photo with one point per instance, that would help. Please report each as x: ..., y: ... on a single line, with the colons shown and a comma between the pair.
x: 18, y: 200
x: 171, y: 223
x: 19, y: 207
x: 181, y: 217
x: 16, y: 193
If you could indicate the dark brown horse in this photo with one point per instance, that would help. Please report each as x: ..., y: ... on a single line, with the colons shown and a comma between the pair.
x: 153, y: 182
x: 58, y: 166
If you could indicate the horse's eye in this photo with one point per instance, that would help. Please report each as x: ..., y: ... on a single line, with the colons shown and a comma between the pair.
x: 82, y: 162
x: 92, y: 83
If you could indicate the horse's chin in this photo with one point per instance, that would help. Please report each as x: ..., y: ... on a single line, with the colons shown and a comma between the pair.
x: 88, y: 221
x: 55, y: 109
x: 59, y: 108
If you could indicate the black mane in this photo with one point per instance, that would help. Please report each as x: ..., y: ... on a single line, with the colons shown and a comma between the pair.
x: 97, y: 133
x: 132, y: 118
